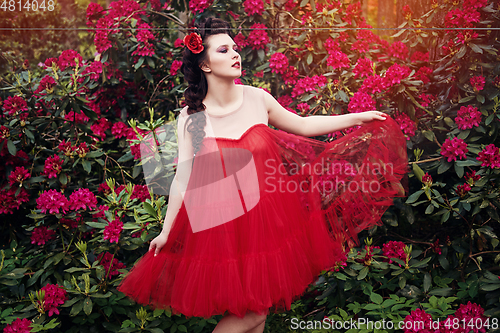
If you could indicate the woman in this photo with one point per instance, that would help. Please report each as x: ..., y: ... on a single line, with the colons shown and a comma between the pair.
x: 248, y: 228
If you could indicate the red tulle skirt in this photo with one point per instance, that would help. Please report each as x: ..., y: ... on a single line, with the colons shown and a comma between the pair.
x: 264, y: 214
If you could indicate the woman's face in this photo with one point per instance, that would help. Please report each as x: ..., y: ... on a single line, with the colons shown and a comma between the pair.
x: 222, y: 53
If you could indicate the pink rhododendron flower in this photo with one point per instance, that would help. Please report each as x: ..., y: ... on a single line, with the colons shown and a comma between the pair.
x: 240, y: 40
x: 79, y: 118
x: 176, y: 65
x: 393, y: 249
x: 361, y: 102
x: 398, y: 50
x: 364, y: 68
x: 14, y: 105
x: 303, y: 107
x: 453, y: 148
x: 278, y: 63
x: 47, y: 83
x: 54, y: 296
x: 407, y: 12
x: 100, y: 127
x: 112, y: 231
x: 9, y: 201
x: 82, y: 199
x: 472, y: 177
x: 112, y: 267
x: 94, y: 70
x: 490, y: 156
x: 420, y: 56
x: 477, y: 82
x: 291, y: 75
x: 41, y: 235
x: 18, y: 176
x: 418, y: 321
x: 253, y: 7
x: 199, y: 5
x: 258, y: 39
x: 145, y: 38
x: 395, y: 74
x: 93, y: 10
x: 119, y: 129
x: 407, y: 125
x: 427, y: 179
x: 53, y: 166
x: 68, y: 58
x: 462, y: 190
x: 423, y: 74
x: 51, y: 201
x: 338, y: 59
x: 18, y: 326
x: 468, y: 117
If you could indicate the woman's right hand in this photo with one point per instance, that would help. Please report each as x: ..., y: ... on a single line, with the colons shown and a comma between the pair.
x: 157, y: 243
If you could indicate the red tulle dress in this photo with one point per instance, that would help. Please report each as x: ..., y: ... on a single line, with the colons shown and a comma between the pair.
x: 265, y: 211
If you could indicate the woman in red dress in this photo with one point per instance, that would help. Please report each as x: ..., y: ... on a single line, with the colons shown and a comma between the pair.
x: 255, y: 214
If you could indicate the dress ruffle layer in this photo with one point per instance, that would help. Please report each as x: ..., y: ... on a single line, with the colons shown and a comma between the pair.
x: 289, y: 220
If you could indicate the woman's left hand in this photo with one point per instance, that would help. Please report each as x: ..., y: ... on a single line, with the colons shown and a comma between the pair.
x: 367, y: 116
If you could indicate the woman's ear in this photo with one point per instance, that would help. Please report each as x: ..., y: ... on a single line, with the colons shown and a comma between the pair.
x: 205, y: 68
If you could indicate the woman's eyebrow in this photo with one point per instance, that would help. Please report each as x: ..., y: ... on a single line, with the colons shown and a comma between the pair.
x: 228, y: 45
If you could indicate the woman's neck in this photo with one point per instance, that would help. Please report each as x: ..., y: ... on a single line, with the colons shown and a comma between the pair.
x: 223, y: 94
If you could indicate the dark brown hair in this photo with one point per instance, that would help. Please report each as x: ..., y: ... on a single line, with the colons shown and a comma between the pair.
x: 197, y: 83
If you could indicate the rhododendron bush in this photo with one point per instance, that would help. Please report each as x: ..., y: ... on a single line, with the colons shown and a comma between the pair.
x: 76, y: 211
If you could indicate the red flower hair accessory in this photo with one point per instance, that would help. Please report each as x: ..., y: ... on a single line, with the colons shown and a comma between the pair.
x: 193, y: 42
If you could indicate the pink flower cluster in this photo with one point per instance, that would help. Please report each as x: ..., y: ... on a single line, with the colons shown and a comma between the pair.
x: 68, y: 58
x: 100, y: 127
x: 338, y: 59
x: 308, y: 84
x: 399, y: 50
x: 54, y: 296
x: 41, y: 235
x: 419, y: 56
x: 53, y: 166
x: 468, y: 117
x: 394, y: 249
x: 360, y: 102
x: 52, y: 202
x: 490, y: 156
x: 144, y: 37
x: 18, y: 176
x: 427, y: 179
x: 94, y: 71
x: 119, y: 129
x: 140, y: 192
x: 9, y: 201
x: 407, y: 125
x: 395, y: 74
x: 47, y: 83
x: 453, y: 148
x: 104, y: 259
x: 477, y: 82
x: 258, y: 39
x: 18, y: 326
x: 253, y: 7
x: 364, y: 67
x: 471, y: 313
x: 14, y: 105
x: 407, y: 12
x: 199, y: 5
x: 462, y: 190
x: 68, y: 149
x: 176, y: 65
x: 112, y: 230
x: 423, y: 74
x: 82, y: 199
x: 278, y: 63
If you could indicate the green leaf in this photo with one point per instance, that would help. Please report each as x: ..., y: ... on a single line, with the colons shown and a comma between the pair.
x: 461, y: 52
x: 76, y: 309
x: 445, y: 165
x: 418, y: 171
x: 363, y: 273
x: 12, y: 148
x: 376, y: 298
x: 139, y: 63
x: 87, y: 306
x: 150, y: 210
x: 475, y: 48
x: 147, y: 75
x: 427, y: 282
x: 86, y: 166
x: 412, y: 198
x: 309, y: 58
x: 98, y: 225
